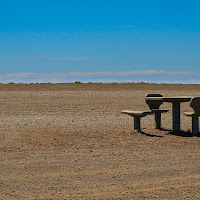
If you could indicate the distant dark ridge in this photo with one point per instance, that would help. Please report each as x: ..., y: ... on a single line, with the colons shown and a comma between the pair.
x: 78, y: 82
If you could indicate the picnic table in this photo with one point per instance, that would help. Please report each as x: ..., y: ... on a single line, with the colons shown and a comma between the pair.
x: 176, y: 101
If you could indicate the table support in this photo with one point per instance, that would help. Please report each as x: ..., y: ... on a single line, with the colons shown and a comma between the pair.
x: 137, y: 123
x: 176, y: 116
x: 158, y: 120
x: 195, y: 125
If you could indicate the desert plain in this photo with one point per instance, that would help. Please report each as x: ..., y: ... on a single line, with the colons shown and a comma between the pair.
x: 70, y: 141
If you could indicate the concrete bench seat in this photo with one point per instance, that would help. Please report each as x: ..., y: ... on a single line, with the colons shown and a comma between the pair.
x: 137, y: 115
x: 189, y: 113
x: 195, y: 104
x: 154, y: 106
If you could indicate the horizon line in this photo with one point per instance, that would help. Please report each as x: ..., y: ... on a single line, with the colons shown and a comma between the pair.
x: 100, y: 82
x: 148, y: 76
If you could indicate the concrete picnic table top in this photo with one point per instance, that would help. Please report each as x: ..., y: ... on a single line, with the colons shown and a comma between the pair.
x: 171, y: 99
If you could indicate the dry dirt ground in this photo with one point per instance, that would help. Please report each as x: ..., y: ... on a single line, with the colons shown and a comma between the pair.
x: 70, y: 141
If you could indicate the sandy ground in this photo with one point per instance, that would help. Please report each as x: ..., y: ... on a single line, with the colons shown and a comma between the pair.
x: 70, y: 141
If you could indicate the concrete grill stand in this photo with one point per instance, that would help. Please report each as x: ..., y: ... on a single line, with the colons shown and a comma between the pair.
x: 154, y: 106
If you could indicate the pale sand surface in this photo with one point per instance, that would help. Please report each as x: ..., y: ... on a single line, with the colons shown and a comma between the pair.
x: 70, y: 141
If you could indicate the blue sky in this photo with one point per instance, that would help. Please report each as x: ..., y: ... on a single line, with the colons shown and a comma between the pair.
x: 93, y: 40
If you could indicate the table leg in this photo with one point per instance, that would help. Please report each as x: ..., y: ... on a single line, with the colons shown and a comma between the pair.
x: 137, y: 124
x: 158, y: 120
x: 176, y: 116
x: 195, y: 125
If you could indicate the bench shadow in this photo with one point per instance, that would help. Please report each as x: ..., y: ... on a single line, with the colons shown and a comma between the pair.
x: 164, y: 129
x: 150, y: 135
x: 182, y: 133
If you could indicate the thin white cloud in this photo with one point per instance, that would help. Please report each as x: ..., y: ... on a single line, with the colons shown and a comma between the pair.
x: 74, y: 58
x: 19, y: 75
x: 85, y: 74
x: 124, y: 76
x: 129, y: 73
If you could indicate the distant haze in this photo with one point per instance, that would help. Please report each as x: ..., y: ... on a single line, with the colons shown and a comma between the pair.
x: 150, y: 76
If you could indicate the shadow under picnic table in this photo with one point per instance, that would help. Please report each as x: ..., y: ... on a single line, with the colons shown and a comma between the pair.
x: 150, y: 135
x: 182, y: 133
